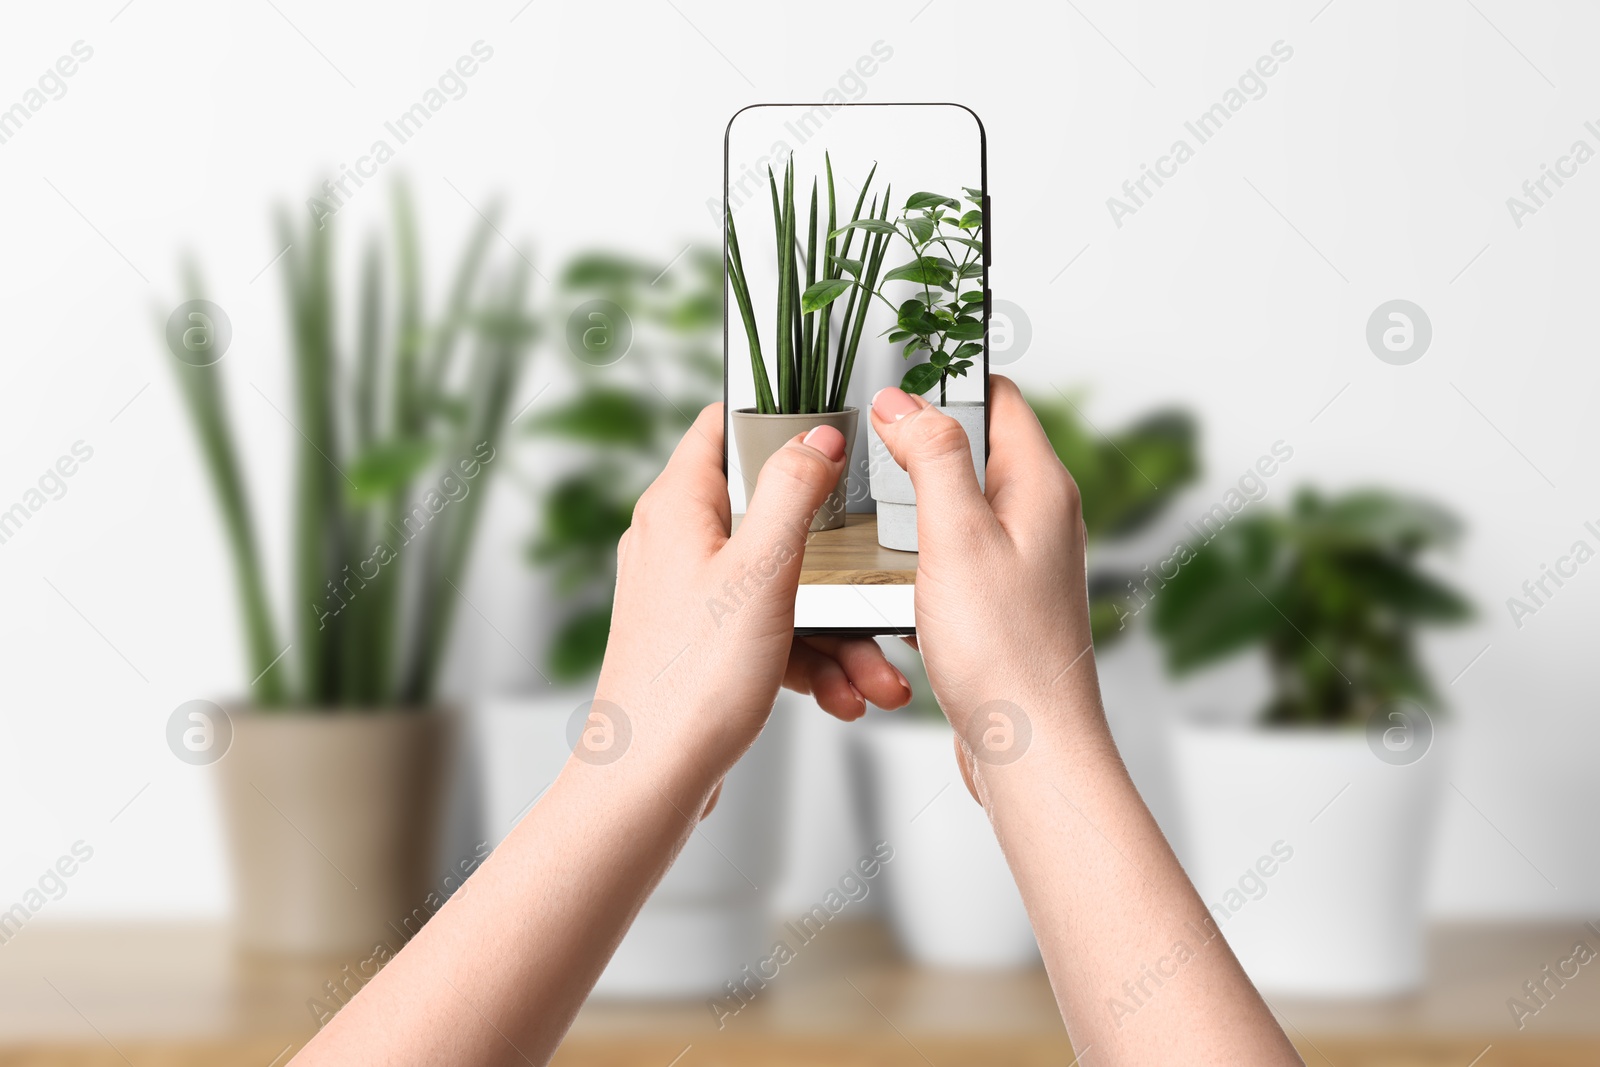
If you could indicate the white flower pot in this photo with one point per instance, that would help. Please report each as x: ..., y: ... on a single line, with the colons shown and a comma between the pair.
x: 952, y: 900
x: 1312, y: 853
x: 891, y: 485
x: 709, y: 917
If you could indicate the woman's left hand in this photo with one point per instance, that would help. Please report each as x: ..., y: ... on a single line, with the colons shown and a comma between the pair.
x: 702, y: 631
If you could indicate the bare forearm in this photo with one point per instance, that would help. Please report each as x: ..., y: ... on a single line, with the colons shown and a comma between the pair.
x: 1139, y: 968
x: 500, y: 972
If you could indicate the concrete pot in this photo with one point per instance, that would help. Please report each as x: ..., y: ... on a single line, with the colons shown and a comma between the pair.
x: 1311, y: 849
x: 711, y: 914
x: 952, y: 900
x: 333, y: 824
x: 758, y: 436
x: 891, y: 485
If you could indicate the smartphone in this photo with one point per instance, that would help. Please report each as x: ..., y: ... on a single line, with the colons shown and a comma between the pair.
x: 855, y: 256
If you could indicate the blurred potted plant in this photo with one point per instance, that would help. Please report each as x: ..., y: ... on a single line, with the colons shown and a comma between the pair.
x: 1326, y: 808
x: 941, y: 320
x: 809, y: 390
x: 952, y: 900
x: 333, y: 782
x: 601, y: 444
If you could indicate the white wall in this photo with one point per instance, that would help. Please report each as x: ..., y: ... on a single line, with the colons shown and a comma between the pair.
x: 1376, y: 165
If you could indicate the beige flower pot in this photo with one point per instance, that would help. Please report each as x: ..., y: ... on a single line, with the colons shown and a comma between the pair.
x: 758, y: 436
x: 333, y: 823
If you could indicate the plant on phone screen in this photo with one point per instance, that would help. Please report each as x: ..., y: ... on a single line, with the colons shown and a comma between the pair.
x: 941, y: 320
x: 807, y: 381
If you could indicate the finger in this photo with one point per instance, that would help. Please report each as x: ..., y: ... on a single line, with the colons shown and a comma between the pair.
x: 933, y: 448
x: 821, y: 676
x: 692, y: 489
x: 868, y: 669
x: 792, y: 486
x: 1022, y: 463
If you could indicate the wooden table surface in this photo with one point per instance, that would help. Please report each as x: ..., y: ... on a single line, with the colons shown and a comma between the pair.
x: 851, y: 555
x: 175, y: 996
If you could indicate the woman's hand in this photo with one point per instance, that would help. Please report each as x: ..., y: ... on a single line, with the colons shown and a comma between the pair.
x: 1002, y: 602
x: 702, y: 630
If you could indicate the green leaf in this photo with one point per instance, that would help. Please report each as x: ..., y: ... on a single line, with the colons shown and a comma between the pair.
x: 972, y: 192
x: 965, y: 331
x: 870, y: 225
x: 924, y: 270
x: 969, y: 350
x: 898, y: 335
x: 919, y: 201
x: 823, y: 293
x: 851, y: 265
x: 1405, y: 590
x: 921, y: 228
x: 603, y: 415
x: 920, y: 379
x: 603, y: 270
x: 940, y: 359
x: 970, y: 270
x: 972, y: 220
x: 919, y: 321
x: 975, y: 245
x: 973, y: 297
x: 387, y: 467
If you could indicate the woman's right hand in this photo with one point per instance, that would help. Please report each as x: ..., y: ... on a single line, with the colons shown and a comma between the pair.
x: 1002, y: 604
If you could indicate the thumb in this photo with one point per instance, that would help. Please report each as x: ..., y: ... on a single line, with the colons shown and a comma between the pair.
x: 793, y: 485
x: 933, y: 449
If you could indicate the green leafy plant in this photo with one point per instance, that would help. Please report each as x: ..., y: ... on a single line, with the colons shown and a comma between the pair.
x: 625, y: 420
x: 803, y: 342
x: 1125, y: 480
x: 1331, y: 591
x: 388, y: 423
x: 941, y: 320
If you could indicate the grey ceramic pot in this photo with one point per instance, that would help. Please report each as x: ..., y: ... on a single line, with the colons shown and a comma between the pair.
x: 891, y: 485
x: 758, y: 436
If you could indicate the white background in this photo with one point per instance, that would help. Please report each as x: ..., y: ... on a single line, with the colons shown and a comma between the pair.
x: 1376, y: 166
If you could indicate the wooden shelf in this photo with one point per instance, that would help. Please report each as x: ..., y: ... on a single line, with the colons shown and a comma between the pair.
x: 179, y: 995
x: 852, y: 556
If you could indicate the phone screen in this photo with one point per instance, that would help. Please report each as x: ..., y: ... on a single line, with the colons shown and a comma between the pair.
x: 855, y: 256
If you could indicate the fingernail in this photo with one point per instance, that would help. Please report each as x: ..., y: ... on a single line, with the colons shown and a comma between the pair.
x: 857, y: 692
x: 892, y: 405
x: 903, y: 683
x: 827, y: 440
